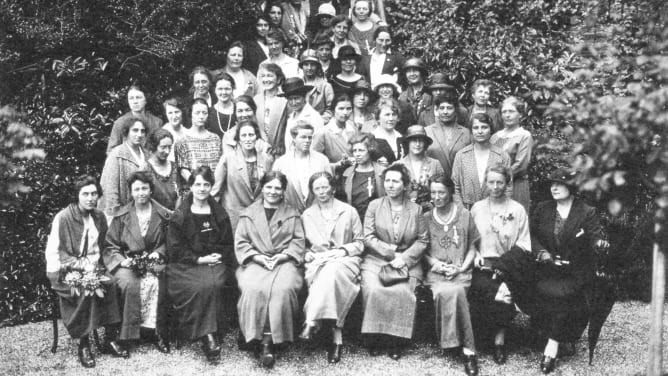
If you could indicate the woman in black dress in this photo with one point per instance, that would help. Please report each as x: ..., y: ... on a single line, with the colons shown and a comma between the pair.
x: 200, y: 260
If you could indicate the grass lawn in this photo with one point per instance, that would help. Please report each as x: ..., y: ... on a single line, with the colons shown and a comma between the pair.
x: 622, y: 350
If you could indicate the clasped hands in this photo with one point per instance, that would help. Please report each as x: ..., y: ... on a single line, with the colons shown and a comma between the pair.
x: 270, y: 262
x: 450, y: 271
x: 325, y: 254
x: 128, y: 261
x: 210, y: 259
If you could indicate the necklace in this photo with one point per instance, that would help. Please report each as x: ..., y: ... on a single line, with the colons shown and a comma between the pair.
x: 446, y: 223
x: 220, y: 126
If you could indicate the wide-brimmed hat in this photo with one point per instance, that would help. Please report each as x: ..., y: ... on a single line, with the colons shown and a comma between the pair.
x: 326, y: 10
x: 348, y: 51
x: 308, y: 55
x: 563, y: 176
x: 438, y: 81
x: 363, y: 86
x: 295, y: 86
x: 384, y: 80
x: 417, y: 132
x: 415, y: 62
x: 323, y: 39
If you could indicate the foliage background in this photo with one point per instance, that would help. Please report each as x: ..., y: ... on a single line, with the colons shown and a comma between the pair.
x: 66, y: 65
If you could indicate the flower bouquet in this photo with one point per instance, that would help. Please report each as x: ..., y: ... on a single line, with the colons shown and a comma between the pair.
x: 85, y: 280
x: 142, y: 264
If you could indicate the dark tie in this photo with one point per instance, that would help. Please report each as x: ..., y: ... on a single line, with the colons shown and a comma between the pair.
x: 84, y: 251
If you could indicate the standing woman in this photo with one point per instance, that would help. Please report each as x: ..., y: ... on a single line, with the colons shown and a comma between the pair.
x: 564, y: 232
x: 481, y: 91
x: 382, y: 60
x: 345, y: 80
x: 138, y: 230
x: 518, y: 143
x: 175, y: 113
x: 244, y: 110
x: 363, y: 99
x: 504, y: 227
x: 122, y: 161
x: 332, y: 140
x: 388, y: 116
x: 276, y: 40
x: 202, y: 86
x: 387, y: 92
x: 471, y: 162
x: 269, y: 245
x: 363, y: 27
x: 200, y: 260
x: 200, y: 147
x: 165, y: 189
x: 239, y: 171
x: 137, y: 103
x: 256, y: 49
x: 341, y: 26
x: 322, y: 94
x: 449, y: 137
x: 420, y: 167
x: 413, y: 77
x: 270, y: 106
x: 76, y: 238
x: 245, y: 81
x: 395, y: 237
x: 221, y: 117
x: 363, y: 182
x: 274, y: 11
x: 336, y: 238
x: 449, y: 261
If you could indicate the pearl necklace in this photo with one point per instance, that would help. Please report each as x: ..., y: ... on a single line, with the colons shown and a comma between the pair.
x: 446, y: 223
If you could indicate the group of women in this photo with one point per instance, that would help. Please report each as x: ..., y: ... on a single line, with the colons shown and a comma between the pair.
x: 385, y: 188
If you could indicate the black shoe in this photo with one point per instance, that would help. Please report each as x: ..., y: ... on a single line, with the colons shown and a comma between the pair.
x: 115, y: 349
x: 210, y: 344
x: 500, y: 356
x: 471, y: 365
x: 334, y: 353
x: 394, y: 353
x: 85, y: 354
x: 162, y: 344
x: 547, y: 364
x: 267, y: 358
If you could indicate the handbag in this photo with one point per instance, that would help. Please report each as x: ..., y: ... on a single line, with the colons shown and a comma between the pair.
x: 390, y: 276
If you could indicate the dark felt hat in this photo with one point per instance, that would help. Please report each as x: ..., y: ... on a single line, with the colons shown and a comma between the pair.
x: 563, y: 176
x: 417, y: 131
x: 348, y: 51
x: 363, y: 86
x: 295, y: 86
x: 438, y: 81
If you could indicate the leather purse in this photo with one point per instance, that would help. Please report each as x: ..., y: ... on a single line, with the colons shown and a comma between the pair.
x: 390, y: 276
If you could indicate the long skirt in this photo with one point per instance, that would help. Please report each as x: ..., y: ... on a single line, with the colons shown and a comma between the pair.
x: 269, y: 301
x: 83, y: 314
x: 387, y: 310
x: 139, y: 301
x: 560, y: 307
x: 486, y: 313
x: 453, y: 319
x: 333, y: 287
x: 195, y: 293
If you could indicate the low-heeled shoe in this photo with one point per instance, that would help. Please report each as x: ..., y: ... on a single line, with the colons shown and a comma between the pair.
x: 547, y: 364
x: 471, y: 365
x: 162, y: 344
x: 394, y: 353
x: 334, y: 353
x: 267, y: 358
x: 115, y: 349
x: 86, y: 357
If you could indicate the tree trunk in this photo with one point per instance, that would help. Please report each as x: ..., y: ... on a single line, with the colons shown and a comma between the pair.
x: 655, y: 358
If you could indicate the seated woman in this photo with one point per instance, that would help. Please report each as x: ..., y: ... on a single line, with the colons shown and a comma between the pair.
x: 239, y: 172
x: 420, y: 167
x: 200, y: 260
x: 76, y: 238
x: 138, y: 229
x: 471, y: 162
x: 165, y: 189
x: 395, y: 237
x: 269, y: 245
x: 504, y: 227
x: 449, y: 261
x: 335, y: 237
x: 122, y: 161
x: 363, y: 182
x: 564, y: 232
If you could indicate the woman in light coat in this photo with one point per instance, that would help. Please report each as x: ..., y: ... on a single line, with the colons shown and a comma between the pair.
x: 394, y: 233
x: 269, y: 245
x: 335, y: 237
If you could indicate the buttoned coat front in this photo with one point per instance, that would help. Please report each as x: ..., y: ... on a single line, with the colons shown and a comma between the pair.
x: 468, y: 189
x: 445, y: 150
x: 265, y: 293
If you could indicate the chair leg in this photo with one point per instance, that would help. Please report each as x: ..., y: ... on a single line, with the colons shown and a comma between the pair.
x: 54, y: 344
